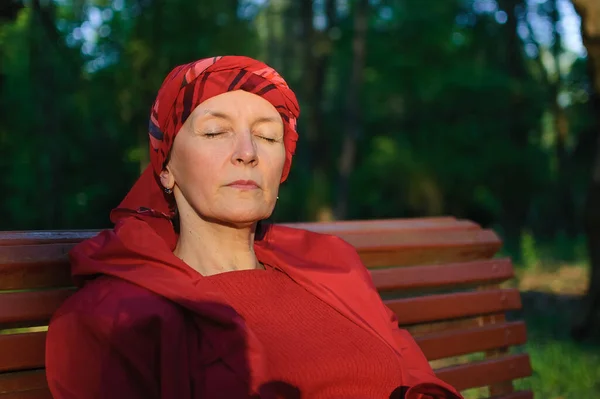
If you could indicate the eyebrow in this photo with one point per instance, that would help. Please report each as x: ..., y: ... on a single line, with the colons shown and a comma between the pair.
x: 221, y: 115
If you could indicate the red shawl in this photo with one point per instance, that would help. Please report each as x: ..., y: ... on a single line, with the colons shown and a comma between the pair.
x: 139, y: 248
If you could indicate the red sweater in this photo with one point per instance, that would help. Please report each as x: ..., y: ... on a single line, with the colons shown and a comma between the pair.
x: 309, y: 345
x: 152, y: 327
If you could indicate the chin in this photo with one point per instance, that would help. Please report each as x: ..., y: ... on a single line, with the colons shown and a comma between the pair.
x: 244, y: 216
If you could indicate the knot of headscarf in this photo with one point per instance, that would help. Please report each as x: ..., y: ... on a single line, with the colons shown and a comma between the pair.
x: 184, y: 88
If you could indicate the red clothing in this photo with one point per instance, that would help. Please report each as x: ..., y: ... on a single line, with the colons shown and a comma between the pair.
x: 324, y: 354
x: 155, y: 328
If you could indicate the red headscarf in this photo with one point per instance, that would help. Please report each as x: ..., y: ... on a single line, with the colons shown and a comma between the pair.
x: 184, y: 88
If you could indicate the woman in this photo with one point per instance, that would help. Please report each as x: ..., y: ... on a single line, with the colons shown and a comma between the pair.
x: 184, y: 298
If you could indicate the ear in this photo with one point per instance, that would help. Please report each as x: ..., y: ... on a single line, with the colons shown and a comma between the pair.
x: 166, y: 178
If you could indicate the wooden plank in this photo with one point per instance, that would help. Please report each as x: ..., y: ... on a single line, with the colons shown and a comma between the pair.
x: 418, y: 248
x: 395, y: 240
x: 446, y: 275
x: 21, y: 255
x: 38, y: 306
x: 461, y: 342
x: 38, y: 237
x: 11, y: 238
x: 515, y: 395
x: 433, y: 241
x: 35, y: 275
x: 487, y: 372
x: 417, y: 330
x: 357, y: 226
x: 22, y: 351
x: 26, y: 351
x: 30, y: 307
x: 451, y: 306
x: 50, y: 275
x: 22, y: 381
x: 43, y: 393
x: 34, y: 266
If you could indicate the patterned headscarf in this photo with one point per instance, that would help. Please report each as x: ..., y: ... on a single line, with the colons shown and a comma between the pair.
x: 184, y: 88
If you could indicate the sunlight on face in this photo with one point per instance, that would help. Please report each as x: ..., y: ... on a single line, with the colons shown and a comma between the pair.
x: 227, y: 160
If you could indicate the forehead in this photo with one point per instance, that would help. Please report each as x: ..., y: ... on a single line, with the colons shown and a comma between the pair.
x: 238, y: 100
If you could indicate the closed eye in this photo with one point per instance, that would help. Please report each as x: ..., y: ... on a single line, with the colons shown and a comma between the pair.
x: 268, y: 139
x: 213, y: 134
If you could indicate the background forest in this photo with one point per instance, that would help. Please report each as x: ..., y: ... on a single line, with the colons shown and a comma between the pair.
x: 480, y: 109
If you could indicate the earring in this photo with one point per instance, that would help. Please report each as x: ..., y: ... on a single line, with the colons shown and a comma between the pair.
x: 278, y: 197
x: 168, y: 191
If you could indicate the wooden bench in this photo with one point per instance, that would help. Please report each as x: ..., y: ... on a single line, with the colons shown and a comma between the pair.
x: 437, y: 274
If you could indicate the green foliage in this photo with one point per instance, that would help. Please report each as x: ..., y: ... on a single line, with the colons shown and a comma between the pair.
x: 454, y: 117
x: 562, y: 368
x: 529, y: 254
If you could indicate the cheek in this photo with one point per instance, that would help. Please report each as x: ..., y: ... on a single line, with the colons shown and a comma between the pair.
x: 276, y: 160
x: 199, y: 168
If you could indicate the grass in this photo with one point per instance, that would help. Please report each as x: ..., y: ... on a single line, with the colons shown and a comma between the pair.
x: 563, y: 368
x: 552, y: 277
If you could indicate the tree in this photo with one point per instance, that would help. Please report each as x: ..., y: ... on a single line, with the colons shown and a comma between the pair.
x: 353, y: 114
x: 589, y: 10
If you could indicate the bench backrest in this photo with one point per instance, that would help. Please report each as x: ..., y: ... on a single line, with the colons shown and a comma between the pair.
x: 439, y: 275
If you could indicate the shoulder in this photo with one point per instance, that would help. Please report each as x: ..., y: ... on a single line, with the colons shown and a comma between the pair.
x: 110, y: 303
x: 110, y: 339
x: 325, y: 244
x: 304, y: 248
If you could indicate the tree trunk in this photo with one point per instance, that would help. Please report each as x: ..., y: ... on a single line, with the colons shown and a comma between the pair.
x: 353, y: 117
x: 589, y: 10
x: 317, y: 48
x: 516, y: 208
x: 45, y: 123
x: 565, y: 207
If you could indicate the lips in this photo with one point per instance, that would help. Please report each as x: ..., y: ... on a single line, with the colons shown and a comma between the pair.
x: 244, y: 184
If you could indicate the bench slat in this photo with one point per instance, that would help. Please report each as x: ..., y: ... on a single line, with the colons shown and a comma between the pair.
x: 21, y: 255
x: 25, y: 308
x: 74, y: 236
x: 432, y: 240
x: 22, y: 351
x: 35, y: 275
x: 461, y: 342
x: 40, y: 237
x: 423, y: 248
x: 26, y: 351
x: 21, y: 381
x: 487, y: 372
x: 43, y: 275
x: 376, y: 226
x: 446, y: 275
x: 471, y: 375
x: 38, y: 306
x: 364, y: 242
x: 43, y: 393
x: 452, y: 306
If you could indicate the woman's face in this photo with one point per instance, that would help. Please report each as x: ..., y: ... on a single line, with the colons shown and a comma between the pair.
x: 227, y: 160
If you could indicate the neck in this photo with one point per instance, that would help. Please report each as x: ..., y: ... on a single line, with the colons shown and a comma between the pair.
x: 212, y: 248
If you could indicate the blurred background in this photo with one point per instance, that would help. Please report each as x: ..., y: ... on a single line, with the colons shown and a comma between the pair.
x: 482, y: 109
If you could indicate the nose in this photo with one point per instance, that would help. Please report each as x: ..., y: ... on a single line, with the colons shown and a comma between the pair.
x: 245, y: 149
